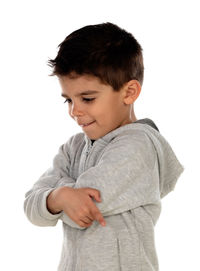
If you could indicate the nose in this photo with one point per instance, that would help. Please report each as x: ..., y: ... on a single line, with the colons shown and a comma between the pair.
x: 75, y: 111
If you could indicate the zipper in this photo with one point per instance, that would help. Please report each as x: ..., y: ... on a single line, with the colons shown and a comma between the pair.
x: 88, y: 150
x: 90, y: 146
x: 87, y: 153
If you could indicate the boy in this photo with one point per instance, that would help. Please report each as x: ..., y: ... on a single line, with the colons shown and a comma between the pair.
x: 106, y: 183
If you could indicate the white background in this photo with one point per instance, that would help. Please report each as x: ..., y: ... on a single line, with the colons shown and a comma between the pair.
x: 35, y: 122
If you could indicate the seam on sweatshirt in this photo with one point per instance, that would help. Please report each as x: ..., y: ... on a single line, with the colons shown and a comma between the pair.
x: 150, y: 216
x: 119, y: 254
x: 138, y: 233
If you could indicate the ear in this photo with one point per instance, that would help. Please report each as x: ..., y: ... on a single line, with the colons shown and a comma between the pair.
x: 132, y: 90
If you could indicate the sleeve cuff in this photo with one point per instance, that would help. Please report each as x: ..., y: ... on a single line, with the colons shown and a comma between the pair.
x: 42, y: 207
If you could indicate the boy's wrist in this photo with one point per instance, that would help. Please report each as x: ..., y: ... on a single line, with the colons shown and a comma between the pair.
x: 54, y: 201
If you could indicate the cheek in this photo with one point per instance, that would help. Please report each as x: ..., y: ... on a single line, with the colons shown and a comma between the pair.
x: 69, y: 111
x: 105, y: 114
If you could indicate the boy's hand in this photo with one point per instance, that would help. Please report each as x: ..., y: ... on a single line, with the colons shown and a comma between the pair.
x: 77, y: 204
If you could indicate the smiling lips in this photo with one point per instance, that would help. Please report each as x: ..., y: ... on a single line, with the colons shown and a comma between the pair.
x: 87, y: 124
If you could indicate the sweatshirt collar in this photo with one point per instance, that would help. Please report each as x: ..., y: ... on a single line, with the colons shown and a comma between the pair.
x: 108, y: 137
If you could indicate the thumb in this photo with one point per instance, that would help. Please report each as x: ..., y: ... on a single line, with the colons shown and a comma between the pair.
x: 95, y: 194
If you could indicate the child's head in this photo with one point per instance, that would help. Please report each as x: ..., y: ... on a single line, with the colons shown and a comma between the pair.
x: 102, y: 50
x: 107, y: 59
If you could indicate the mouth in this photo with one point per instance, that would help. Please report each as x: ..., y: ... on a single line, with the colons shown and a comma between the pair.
x: 87, y: 124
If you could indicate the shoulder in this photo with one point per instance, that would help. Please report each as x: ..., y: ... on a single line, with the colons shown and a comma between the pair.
x: 133, y: 144
x: 74, y: 142
x: 132, y: 139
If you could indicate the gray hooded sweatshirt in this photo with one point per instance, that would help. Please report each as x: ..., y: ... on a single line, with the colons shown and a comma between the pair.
x: 133, y: 167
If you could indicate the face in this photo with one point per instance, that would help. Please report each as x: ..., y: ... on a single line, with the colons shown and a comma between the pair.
x: 93, y: 105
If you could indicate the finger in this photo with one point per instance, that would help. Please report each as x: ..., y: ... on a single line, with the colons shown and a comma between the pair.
x: 87, y: 220
x: 101, y: 220
x: 94, y: 193
x: 93, y: 210
x: 77, y: 220
x: 98, y: 216
x: 83, y: 224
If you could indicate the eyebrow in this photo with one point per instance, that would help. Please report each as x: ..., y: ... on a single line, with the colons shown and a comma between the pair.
x: 86, y: 92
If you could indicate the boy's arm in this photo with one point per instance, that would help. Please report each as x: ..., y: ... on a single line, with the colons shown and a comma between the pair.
x: 35, y: 206
x: 126, y: 175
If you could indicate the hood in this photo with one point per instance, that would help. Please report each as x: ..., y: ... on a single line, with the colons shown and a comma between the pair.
x: 168, y: 165
x: 144, y: 121
x: 148, y: 122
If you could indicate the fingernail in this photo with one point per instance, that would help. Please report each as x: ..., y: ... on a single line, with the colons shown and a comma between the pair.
x: 103, y: 223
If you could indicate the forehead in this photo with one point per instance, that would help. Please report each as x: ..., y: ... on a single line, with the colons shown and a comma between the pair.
x: 80, y: 80
x: 82, y: 85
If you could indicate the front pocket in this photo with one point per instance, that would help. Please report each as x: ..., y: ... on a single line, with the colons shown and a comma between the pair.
x: 128, y: 244
x: 98, y: 251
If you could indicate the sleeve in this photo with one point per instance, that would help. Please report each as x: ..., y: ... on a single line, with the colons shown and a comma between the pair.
x: 35, y: 206
x: 126, y: 175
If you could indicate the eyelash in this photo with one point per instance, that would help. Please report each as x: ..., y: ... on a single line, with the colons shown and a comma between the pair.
x: 85, y: 100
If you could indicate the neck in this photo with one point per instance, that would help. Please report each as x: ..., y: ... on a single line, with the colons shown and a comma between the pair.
x: 132, y: 115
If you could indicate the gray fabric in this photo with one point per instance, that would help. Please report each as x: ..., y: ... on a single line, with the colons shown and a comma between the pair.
x: 147, y: 121
x: 134, y: 167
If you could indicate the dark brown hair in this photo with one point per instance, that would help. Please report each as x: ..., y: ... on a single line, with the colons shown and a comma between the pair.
x: 103, y: 50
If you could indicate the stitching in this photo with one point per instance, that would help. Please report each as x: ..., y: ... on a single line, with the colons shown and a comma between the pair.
x: 138, y: 232
x: 118, y: 246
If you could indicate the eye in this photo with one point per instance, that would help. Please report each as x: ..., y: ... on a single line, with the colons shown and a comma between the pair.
x: 85, y: 100
x: 67, y: 100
